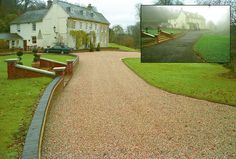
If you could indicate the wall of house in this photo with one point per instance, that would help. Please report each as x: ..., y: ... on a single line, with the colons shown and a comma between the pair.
x: 17, y: 43
x: 57, y: 17
x: 26, y: 32
x: 101, y: 31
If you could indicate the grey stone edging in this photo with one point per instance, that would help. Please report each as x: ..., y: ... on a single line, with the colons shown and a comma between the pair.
x: 76, y: 60
x: 36, y: 70
x: 32, y: 146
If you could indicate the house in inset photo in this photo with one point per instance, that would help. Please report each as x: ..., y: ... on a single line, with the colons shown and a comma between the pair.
x: 188, y: 20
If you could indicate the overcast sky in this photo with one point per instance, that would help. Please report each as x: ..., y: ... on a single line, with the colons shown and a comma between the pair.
x: 211, y: 13
x: 122, y: 12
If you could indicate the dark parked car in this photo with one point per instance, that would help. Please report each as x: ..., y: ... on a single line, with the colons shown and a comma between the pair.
x: 59, y: 49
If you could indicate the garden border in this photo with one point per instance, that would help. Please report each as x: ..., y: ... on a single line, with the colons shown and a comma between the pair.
x: 33, y: 141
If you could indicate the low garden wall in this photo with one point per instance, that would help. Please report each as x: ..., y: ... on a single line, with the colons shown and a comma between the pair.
x: 61, y: 71
x: 16, y: 71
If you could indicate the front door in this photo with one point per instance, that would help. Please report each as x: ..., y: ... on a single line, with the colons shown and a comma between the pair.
x: 25, y: 45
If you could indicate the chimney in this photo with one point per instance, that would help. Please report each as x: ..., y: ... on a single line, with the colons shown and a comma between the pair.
x: 55, y: 1
x: 49, y: 3
x: 90, y: 6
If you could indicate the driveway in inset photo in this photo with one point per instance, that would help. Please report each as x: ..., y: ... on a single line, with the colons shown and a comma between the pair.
x: 177, y: 50
x: 107, y: 111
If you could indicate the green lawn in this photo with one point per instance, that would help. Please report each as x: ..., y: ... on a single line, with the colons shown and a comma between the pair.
x: 214, y: 48
x: 198, y: 80
x: 121, y: 47
x: 18, y: 100
x: 58, y: 57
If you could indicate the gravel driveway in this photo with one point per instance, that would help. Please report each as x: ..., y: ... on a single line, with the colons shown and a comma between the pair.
x: 106, y: 111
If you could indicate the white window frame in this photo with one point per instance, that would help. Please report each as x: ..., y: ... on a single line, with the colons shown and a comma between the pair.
x: 80, y: 25
x: 34, y: 26
x: 13, y: 43
x: 34, y: 41
x: 18, y: 27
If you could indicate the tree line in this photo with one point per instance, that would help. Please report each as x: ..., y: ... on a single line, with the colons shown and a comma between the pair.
x: 10, y: 9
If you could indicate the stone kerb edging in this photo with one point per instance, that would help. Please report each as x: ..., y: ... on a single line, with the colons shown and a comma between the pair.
x: 33, y: 141
x: 75, y: 62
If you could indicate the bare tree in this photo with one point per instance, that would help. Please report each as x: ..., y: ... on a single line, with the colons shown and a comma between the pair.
x: 169, y: 2
x: 232, y: 3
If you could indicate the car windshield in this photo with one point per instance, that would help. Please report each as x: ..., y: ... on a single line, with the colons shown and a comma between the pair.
x: 56, y: 47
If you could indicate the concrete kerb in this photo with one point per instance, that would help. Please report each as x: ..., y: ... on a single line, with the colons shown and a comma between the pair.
x: 33, y: 141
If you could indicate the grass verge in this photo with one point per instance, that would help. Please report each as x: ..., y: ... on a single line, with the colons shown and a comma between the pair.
x: 121, y: 47
x: 198, y: 80
x: 18, y: 100
x: 214, y: 48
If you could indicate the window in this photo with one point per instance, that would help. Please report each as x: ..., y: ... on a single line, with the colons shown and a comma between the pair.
x: 18, y: 27
x: 12, y: 43
x: 34, y: 40
x: 95, y: 26
x: 73, y: 24
x: 80, y: 25
x: 86, y: 26
x: 34, y: 27
x: 91, y: 26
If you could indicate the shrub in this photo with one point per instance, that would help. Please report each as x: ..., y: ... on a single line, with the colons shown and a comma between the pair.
x: 36, y: 57
x: 19, y: 54
x: 35, y: 50
x: 91, y: 49
x: 4, y: 44
x: 98, y: 47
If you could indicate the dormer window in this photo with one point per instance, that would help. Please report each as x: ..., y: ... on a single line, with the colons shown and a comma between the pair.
x: 82, y: 12
x: 68, y: 9
x: 92, y: 14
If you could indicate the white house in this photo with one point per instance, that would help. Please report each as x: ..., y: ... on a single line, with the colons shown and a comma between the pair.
x: 43, y: 28
x: 189, y: 21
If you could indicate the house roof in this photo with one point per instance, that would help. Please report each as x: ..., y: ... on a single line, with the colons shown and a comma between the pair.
x: 9, y: 36
x: 84, y: 13
x: 74, y: 11
x: 31, y: 17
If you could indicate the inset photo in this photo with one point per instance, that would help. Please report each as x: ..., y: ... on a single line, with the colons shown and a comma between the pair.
x: 185, y: 34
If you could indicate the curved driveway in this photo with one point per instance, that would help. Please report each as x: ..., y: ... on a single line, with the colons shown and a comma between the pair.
x: 106, y: 111
x: 177, y: 50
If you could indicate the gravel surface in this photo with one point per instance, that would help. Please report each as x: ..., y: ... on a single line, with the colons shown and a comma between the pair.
x: 107, y: 111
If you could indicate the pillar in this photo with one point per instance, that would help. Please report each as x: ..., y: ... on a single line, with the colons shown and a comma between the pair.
x: 11, y: 69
